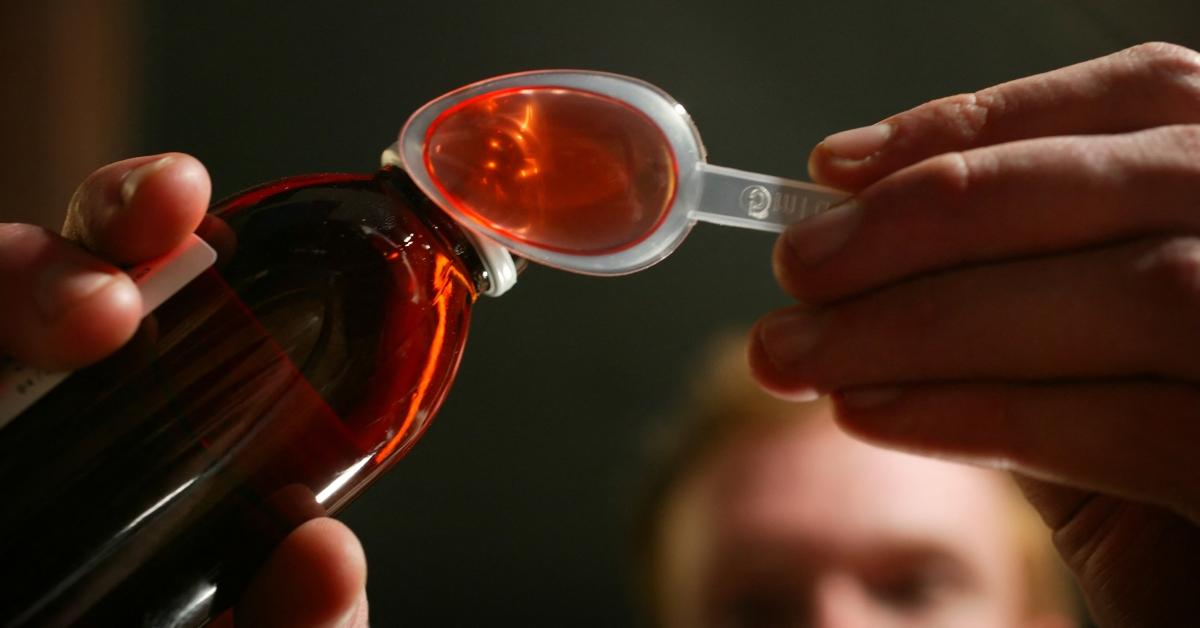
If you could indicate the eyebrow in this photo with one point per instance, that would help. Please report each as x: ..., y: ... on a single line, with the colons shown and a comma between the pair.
x: 894, y: 549
x: 910, y: 550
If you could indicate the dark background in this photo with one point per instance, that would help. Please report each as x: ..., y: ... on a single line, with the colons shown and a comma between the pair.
x: 515, y: 508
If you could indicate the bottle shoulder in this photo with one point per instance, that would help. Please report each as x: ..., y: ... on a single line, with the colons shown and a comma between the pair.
x: 384, y: 206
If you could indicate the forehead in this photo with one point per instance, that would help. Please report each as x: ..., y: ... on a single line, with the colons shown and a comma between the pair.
x: 795, y: 504
x: 807, y: 477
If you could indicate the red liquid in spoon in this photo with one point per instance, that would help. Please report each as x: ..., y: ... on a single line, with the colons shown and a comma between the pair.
x: 560, y: 169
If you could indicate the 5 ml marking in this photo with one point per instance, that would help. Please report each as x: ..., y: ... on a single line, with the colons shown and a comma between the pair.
x: 758, y: 202
x: 18, y: 378
x: 22, y: 385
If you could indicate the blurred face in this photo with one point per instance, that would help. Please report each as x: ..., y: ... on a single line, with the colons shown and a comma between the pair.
x: 799, y: 525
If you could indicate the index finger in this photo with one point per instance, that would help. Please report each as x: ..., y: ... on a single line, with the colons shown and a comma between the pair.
x: 1145, y: 86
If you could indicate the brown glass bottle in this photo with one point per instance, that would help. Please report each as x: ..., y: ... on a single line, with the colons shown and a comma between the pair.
x: 146, y: 489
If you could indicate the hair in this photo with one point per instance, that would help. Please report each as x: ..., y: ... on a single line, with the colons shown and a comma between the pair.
x: 724, y: 403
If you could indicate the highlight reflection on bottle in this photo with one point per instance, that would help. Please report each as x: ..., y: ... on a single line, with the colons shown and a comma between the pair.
x: 145, y: 490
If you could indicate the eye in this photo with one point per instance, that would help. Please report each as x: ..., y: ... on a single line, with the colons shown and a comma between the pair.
x: 913, y: 590
x: 904, y: 593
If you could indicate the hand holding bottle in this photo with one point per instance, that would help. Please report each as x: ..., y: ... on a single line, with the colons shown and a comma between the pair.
x: 67, y: 304
x: 1017, y: 282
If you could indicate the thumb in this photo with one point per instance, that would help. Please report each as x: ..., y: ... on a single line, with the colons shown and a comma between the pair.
x: 60, y: 307
x: 134, y: 210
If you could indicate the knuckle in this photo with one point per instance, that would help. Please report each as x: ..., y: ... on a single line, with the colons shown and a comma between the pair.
x: 1172, y: 270
x: 1186, y: 138
x: 1080, y: 539
x: 1158, y: 55
x: 1178, y: 156
x: 1163, y: 162
x: 1176, y: 67
x: 963, y: 115
x: 1168, y: 272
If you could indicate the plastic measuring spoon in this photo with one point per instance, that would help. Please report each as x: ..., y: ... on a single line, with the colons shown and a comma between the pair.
x: 586, y: 171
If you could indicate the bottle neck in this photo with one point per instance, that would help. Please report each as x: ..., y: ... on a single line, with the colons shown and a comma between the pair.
x: 498, y: 264
x: 491, y: 266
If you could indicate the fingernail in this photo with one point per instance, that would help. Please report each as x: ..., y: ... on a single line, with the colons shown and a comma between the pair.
x: 870, y: 398
x: 802, y: 395
x: 788, y: 335
x: 818, y: 238
x: 65, y: 284
x: 858, y: 144
x: 135, y: 177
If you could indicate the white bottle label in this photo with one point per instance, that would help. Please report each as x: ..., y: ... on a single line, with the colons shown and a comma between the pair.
x: 157, y: 280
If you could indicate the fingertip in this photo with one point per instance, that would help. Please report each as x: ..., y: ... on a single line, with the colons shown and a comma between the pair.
x: 809, y: 257
x: 316, y: 577
x: 761, y: 369
x: 139, y: 208
x: 93, y: 328
x: 862, y: 414
x: 849, y: 160
x: 819, y: 170
x: 789, y: 270
x: 162, y: 202
x: 63, y: 308
x: 782, y: 263
x: 776, y: 381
